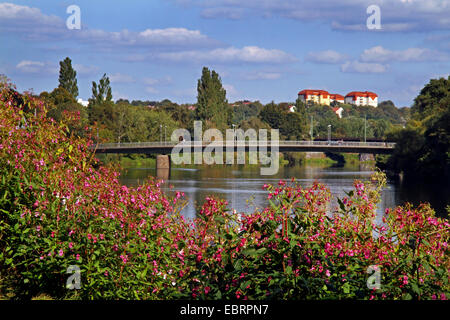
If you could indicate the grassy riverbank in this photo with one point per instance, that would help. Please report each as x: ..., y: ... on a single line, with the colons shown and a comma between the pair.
x: 286, y: 159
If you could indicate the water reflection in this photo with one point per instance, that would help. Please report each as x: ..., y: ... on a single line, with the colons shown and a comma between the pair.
x: 242, y: 185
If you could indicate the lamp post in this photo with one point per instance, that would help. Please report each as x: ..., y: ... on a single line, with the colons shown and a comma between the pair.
x: 234, y: 132
x: 329, y: 133
x: 160, y: 133
x: 365, y: 128
x: 165, y: 133
x: 311, y: 132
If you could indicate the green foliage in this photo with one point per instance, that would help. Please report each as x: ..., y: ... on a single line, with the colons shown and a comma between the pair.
x: 68, y: 77
x: 59, y: 207
x: 212, y: 105
x: 423, y: 147
x: 291, y: 124
x: 243, y: 112
x: 433, y: 98
x: 101, y: 92
x: 61, y: 106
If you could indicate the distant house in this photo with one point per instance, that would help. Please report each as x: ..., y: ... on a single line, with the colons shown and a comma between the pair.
x: 315, y: 96
x: 322, y: 97
x: 292, y: 108
x: 359, y: 98
x: 337, y: 98
x: 338, y: 111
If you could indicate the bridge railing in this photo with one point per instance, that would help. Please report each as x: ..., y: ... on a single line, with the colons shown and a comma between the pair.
x: 164, y: 144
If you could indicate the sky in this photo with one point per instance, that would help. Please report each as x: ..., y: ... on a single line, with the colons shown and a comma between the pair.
x: 266, y: 50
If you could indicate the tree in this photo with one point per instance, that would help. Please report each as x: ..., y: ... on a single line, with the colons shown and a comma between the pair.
x: 270, y: 114
x: 212, y: 104
x: 62, y: 106
x: 68, y: 77
x: 101, y: 92
x: 422, y: 149
x: 431, y: 98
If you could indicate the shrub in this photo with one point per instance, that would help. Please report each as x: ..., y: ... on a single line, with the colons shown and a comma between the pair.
x: 59, y: 207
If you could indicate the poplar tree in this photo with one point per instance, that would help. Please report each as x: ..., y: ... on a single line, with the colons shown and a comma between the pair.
x: 212, y: 104
x: 68, y: 77
x: 101, y: 92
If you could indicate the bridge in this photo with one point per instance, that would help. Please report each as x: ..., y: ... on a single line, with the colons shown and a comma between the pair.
x: 283, y: 146
x: 164, y: 149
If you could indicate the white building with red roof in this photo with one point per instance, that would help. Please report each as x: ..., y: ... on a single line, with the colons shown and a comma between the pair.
x: 337, y: 98
x: 315, y: 96
x: 359, y: 98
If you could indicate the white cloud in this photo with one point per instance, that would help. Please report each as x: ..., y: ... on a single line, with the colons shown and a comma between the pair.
x: 121, y: 78
x: 85, y: 70
x: 327, y: 56
x: 262, y: 75
x: 167, y: 80
x: 382, y: 55
x: 20, y: 18
x: 222, y: 12
x: 151, y: 90
x: 31, y: 23
x: 348, y: 15
x: 231, y: 90
x: 29, y: 66
x: 363, y: 67
x: 249, y: 54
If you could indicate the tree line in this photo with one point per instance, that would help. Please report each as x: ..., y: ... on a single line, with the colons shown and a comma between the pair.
x: 423, y: 146
x: 421, y: 132
x: 125, y: 121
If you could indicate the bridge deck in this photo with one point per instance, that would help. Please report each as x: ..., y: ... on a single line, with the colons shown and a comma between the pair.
x: 283, y: 146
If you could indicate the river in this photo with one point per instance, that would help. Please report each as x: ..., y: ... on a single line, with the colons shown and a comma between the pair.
x: 242, y: 185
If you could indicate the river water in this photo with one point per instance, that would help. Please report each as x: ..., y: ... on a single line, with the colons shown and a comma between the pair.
x: 242, y: 185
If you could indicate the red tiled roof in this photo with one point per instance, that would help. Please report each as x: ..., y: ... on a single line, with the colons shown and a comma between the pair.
x: 336, y: 96
x: 366, y: 94
x: 323, y: 93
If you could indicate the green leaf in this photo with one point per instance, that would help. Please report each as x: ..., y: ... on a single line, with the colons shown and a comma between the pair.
x: 346, y: 288
x: 407, y: 297
x: 341, y: 204
x: 415, y: 288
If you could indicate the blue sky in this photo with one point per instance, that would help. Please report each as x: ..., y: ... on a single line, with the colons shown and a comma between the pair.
x: 263, y: 50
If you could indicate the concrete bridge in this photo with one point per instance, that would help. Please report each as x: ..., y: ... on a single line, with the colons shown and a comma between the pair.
x: 283, y: 146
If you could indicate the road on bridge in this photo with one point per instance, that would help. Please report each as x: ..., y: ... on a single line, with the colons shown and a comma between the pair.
x: 235, y: 146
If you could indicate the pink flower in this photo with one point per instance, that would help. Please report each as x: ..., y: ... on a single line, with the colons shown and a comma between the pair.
x: 207, y: 289
x: 124, y: 258
x: 61, y: 252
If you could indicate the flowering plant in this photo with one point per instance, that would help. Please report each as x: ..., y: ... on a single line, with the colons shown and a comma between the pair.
x: 59, y: 208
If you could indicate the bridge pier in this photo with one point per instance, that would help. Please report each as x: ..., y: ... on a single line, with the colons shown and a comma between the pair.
x: 163, y: 166
x: 366, y: 157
